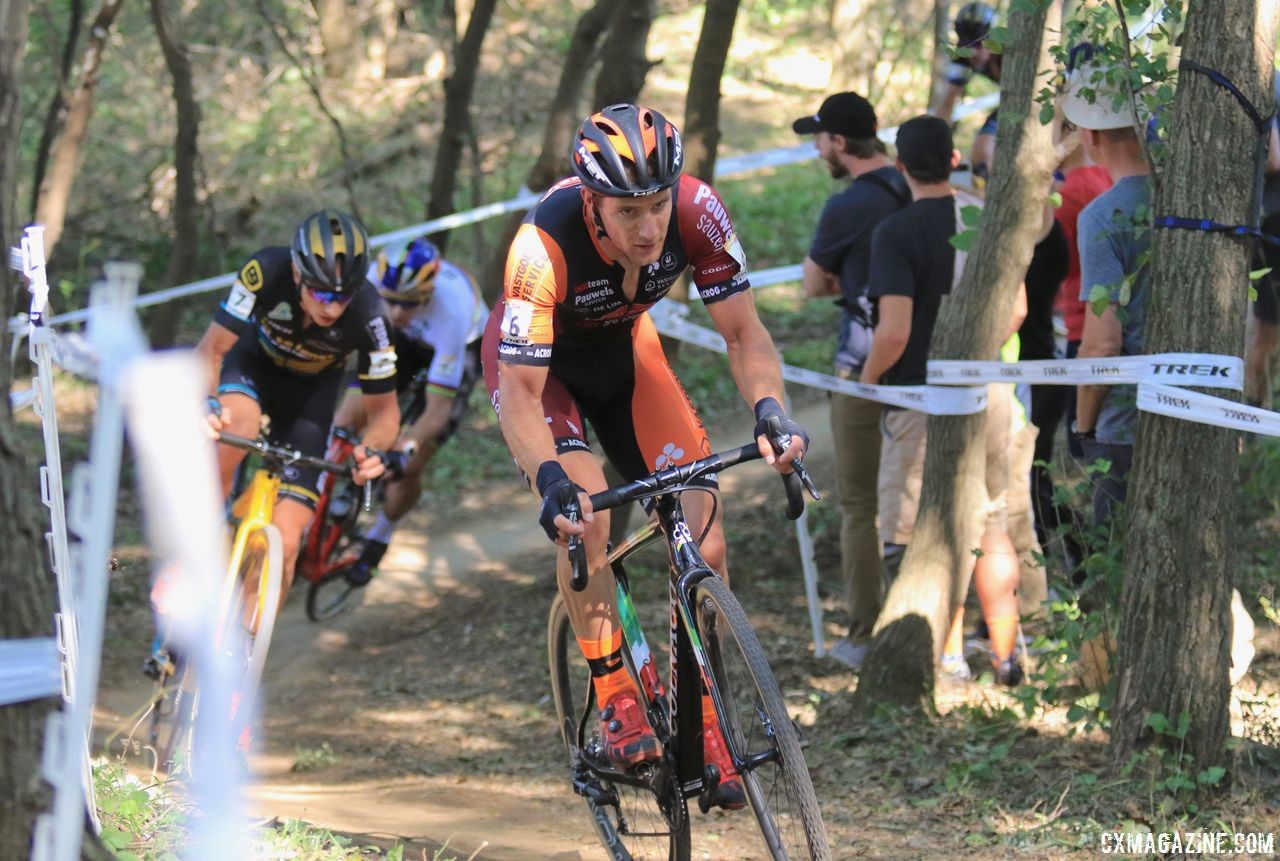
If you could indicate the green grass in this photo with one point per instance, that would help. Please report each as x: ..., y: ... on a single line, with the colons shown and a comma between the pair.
x: 151, y: 821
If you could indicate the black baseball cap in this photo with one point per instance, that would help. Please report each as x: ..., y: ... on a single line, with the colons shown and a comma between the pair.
x: 925, y: 142
x: 847, y: 114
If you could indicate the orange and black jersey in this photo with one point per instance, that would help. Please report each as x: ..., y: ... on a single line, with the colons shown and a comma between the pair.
x: 264, y: 307
x: 560, y: 285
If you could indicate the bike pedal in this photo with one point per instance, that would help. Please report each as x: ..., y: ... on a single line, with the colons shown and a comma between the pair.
x: 710, y: 782
x: 156, y: 667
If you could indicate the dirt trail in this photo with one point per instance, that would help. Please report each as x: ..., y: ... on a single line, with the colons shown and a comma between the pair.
x: 424, y: 713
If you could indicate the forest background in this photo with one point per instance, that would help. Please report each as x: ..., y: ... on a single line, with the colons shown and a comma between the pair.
x: 404, y: 110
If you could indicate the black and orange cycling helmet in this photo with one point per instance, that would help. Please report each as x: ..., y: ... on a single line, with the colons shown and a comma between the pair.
x: 331, y: 251
x: 627, y: 151
x: 974, y: 23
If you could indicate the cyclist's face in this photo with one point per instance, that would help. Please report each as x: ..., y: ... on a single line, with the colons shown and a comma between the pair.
x: 636, y: 225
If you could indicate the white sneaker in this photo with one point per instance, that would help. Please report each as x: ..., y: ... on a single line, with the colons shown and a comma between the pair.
x: 849, y: 653
x: 955, y: 668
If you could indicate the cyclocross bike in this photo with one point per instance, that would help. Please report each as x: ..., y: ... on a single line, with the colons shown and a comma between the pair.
x: 249, y: 602
x: 642, y: 813
x: 333, y: 541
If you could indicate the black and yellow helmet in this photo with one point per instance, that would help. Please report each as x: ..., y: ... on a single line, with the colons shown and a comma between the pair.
x: 331, y: 251
x: 627, y: 151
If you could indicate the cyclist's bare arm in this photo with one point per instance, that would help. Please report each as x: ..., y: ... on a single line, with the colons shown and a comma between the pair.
x: 433, y: 420
x: 753, y: 360
x: 382, y: 425
x: 525, y: 428
x: 213, y: 345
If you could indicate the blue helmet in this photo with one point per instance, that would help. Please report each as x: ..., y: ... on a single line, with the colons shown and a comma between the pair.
x: 412, y: 279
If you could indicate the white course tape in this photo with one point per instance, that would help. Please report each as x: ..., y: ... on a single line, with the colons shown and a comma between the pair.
x: 669, y: 317
x: 1179, y: 369
x: 29, y: 670
x: 1206, y: 409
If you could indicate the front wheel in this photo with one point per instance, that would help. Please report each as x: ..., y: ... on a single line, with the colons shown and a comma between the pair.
x: 754, y: 719
x: 644, y: 820
x: 250, y: 617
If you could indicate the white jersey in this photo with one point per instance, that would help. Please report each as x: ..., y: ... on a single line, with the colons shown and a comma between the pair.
x: 453, y: 318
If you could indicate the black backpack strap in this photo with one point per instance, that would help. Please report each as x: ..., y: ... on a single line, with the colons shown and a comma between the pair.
x: 902, y: 198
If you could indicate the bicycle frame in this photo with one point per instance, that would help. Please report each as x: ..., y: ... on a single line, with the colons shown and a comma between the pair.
x: 323, y: 535
x: 254, y: 508
x: 681, y: 705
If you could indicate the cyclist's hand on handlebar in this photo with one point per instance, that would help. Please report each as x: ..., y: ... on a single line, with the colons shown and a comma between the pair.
x: 558, y: 493
x: 780, y: 438
x: 218, y: 417
x: 369, y: 465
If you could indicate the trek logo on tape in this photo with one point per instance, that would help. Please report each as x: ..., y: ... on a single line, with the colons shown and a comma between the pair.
x: 1170, y: 369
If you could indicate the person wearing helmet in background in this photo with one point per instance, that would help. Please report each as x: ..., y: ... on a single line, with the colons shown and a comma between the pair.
x: 437, y: 318
x: 570, y: 340
x: 973, y: 24
x: 278, y: 345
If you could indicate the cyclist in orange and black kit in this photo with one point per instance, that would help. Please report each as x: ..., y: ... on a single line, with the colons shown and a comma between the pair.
x: 570, y: 340
x: 278, y: 345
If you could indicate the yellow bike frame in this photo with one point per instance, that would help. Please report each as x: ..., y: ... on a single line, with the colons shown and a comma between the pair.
x: 254, y: 509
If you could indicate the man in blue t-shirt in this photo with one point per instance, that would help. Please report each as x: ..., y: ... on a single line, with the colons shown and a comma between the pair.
x: 1113, y: 235
x: 844, y: 131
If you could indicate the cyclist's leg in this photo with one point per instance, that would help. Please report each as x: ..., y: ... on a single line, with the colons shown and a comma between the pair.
x: 668, y: 431
x: 291, y: 517
x: 239, y: 387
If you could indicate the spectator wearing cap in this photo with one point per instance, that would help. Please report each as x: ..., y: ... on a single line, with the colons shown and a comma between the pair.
x: 1112, y: 236
x: 844, y: 130
x: 913, y: 266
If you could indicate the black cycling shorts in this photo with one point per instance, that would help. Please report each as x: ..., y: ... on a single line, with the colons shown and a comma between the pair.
x: 414, y: 358
x: 301, y: 410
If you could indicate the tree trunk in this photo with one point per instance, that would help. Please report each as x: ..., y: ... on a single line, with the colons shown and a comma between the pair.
x: 458, y: 88
x: 912, y: 628
x: 27, y: 599
x: 58, y: 104
x: 562, y: 123
x: 565, y: 114
x: 941, y: 54
x: 55, y: 191
x: 337, y: 35
x: 1175, y: 634
x: 622, y: 74
x: 182, y: 260
x: 701, y: 133
x: 849, y: 55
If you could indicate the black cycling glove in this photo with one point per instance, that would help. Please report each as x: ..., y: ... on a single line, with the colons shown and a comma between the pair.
x: 773, y: 423
x: 557, y: 493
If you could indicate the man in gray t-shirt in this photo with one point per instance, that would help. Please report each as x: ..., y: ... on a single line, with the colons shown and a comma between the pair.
x: 1113, y: 235
x: 844, y: 131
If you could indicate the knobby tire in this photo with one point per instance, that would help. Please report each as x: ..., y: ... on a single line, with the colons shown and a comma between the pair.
x: 779, y: 790
x: 643, y: 825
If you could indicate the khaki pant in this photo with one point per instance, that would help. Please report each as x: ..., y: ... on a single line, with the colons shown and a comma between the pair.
x: 1033, y: 586
x: 855, y: 437
x: 902, y: 469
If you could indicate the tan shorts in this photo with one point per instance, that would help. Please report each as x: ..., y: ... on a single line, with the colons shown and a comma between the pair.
x: 902, y: 468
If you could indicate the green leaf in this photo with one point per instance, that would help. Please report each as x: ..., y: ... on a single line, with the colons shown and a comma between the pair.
x: 115, y: 839
x: 1099, y: 299
x: 1257, y: 274
x: 1055, y: 199
x: 1211, y: 776
x: 1159, y: 723
x: 971, y: 216
x: 963, y: 241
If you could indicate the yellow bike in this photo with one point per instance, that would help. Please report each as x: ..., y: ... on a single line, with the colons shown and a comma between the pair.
x: 247, y: 608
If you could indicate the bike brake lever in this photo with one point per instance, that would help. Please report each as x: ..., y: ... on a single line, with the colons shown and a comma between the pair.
x: 798, y: 466
x: 577, y: 550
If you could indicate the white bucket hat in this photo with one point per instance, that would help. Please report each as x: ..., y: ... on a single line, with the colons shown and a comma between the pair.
x: 1096, y: 101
